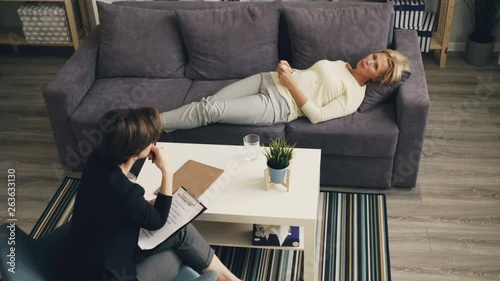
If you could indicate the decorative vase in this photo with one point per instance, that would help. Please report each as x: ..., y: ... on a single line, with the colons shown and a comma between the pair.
x: 478, y: 54
x: 277, y: 176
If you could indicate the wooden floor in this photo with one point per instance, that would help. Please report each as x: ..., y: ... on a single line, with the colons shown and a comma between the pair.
x: 447, y: 228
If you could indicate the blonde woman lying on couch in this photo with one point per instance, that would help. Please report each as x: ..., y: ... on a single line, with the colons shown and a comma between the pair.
x: 325, y: 91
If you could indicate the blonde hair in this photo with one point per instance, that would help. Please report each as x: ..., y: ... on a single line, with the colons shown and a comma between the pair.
x: 397, y: 64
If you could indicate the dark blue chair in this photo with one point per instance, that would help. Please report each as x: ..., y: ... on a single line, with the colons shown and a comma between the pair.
x: 41, y: 259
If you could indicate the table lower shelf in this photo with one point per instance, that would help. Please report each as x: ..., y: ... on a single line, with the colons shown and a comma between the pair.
x: 436, y: 42
x: 235, y: 235
x: 15, y: 36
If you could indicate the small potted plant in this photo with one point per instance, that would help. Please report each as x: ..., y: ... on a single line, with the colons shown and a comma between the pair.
x: 278, y: 157
x: 485, y: 18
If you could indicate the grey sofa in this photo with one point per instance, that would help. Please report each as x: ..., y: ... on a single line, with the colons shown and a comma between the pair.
x: 377, y: 148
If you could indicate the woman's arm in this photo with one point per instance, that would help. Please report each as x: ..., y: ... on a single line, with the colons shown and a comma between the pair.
x: 132, y: 205
x: 166, y: 185
x: 313, y: 113
x: 166, y: 182
x: 132, y: 202
x: 286, y: 78
x: 334, y: 109
x: 161, y: 161
x: 167, y: 175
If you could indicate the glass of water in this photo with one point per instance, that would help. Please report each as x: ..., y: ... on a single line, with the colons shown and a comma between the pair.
x: 252, y: 146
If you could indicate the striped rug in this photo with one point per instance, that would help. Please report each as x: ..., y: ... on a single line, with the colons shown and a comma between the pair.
x: 352, y: 240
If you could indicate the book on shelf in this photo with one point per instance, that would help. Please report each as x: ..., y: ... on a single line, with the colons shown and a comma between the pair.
x: 276, y: 235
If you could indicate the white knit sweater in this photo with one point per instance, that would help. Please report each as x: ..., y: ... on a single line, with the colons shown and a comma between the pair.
x: 331, y: 90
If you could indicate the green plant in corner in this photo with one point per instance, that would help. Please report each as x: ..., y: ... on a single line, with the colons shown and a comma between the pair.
x: 279, y: 153
x: 485, y: 18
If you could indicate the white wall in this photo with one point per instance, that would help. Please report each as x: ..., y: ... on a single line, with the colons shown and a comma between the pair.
x: 92, y: 10
x: 93, y: 16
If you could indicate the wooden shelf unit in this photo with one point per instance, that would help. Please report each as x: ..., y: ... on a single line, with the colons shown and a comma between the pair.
x: 441, y: 38
x: 15, y: 36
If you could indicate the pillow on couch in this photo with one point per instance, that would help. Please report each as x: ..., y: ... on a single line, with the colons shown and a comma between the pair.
x: 138, y: 42
x: 376, y: 93
x: 230, y: 43
x: 345, y: 33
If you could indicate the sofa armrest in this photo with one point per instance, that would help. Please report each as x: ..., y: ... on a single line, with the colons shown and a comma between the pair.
x: 65, y: 92
x: 412, y: 108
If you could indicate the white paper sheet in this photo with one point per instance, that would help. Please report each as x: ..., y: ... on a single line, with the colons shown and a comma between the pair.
x: 183, y: 210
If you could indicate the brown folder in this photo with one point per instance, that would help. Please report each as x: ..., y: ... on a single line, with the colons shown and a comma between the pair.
x: 195, y: 177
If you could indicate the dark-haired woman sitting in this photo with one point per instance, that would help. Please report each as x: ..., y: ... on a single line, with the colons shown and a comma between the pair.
x: 109, y: 210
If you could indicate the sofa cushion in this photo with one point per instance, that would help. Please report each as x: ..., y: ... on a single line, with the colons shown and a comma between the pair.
x: 112, y: 93
x: 284, y: 48
x: 232, y: 42
x: 377, y: 93
x: 347, y: 33
x: 139, y: 42
x: 228, y: 134
x: 200, y: 89
x: 370, y: 134
x: 221, y: 133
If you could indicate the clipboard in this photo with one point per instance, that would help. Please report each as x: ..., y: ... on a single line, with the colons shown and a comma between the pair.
x: 184, y: 209
x: 195, y: 177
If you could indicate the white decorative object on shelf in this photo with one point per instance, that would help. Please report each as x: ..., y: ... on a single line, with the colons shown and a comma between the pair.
x: 433, y: 28
x: 409, y: 14
x: 45, y: 22
x: 425, y: 32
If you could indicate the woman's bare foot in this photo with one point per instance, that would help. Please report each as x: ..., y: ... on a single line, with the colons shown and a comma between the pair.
x: 223, y: 273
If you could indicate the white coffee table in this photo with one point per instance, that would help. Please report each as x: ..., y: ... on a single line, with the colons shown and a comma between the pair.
x: 238, y: 199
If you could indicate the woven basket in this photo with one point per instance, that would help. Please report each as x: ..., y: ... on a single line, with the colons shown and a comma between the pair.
x: 47, y: 22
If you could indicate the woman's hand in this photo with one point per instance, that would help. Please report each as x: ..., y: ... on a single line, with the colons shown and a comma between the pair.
x: 285, y: 66
x: 286, y: 78
x: 285, y: 75
x: 161, y: 158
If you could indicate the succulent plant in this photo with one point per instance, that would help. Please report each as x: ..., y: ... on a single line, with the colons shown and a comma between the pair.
x: 279, y: 153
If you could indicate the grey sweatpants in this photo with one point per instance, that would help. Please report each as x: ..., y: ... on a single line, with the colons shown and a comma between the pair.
x: 254, y: 100
x: 163, y: 262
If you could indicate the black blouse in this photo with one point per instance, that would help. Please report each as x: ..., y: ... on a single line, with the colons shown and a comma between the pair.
x: 108, y: 212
